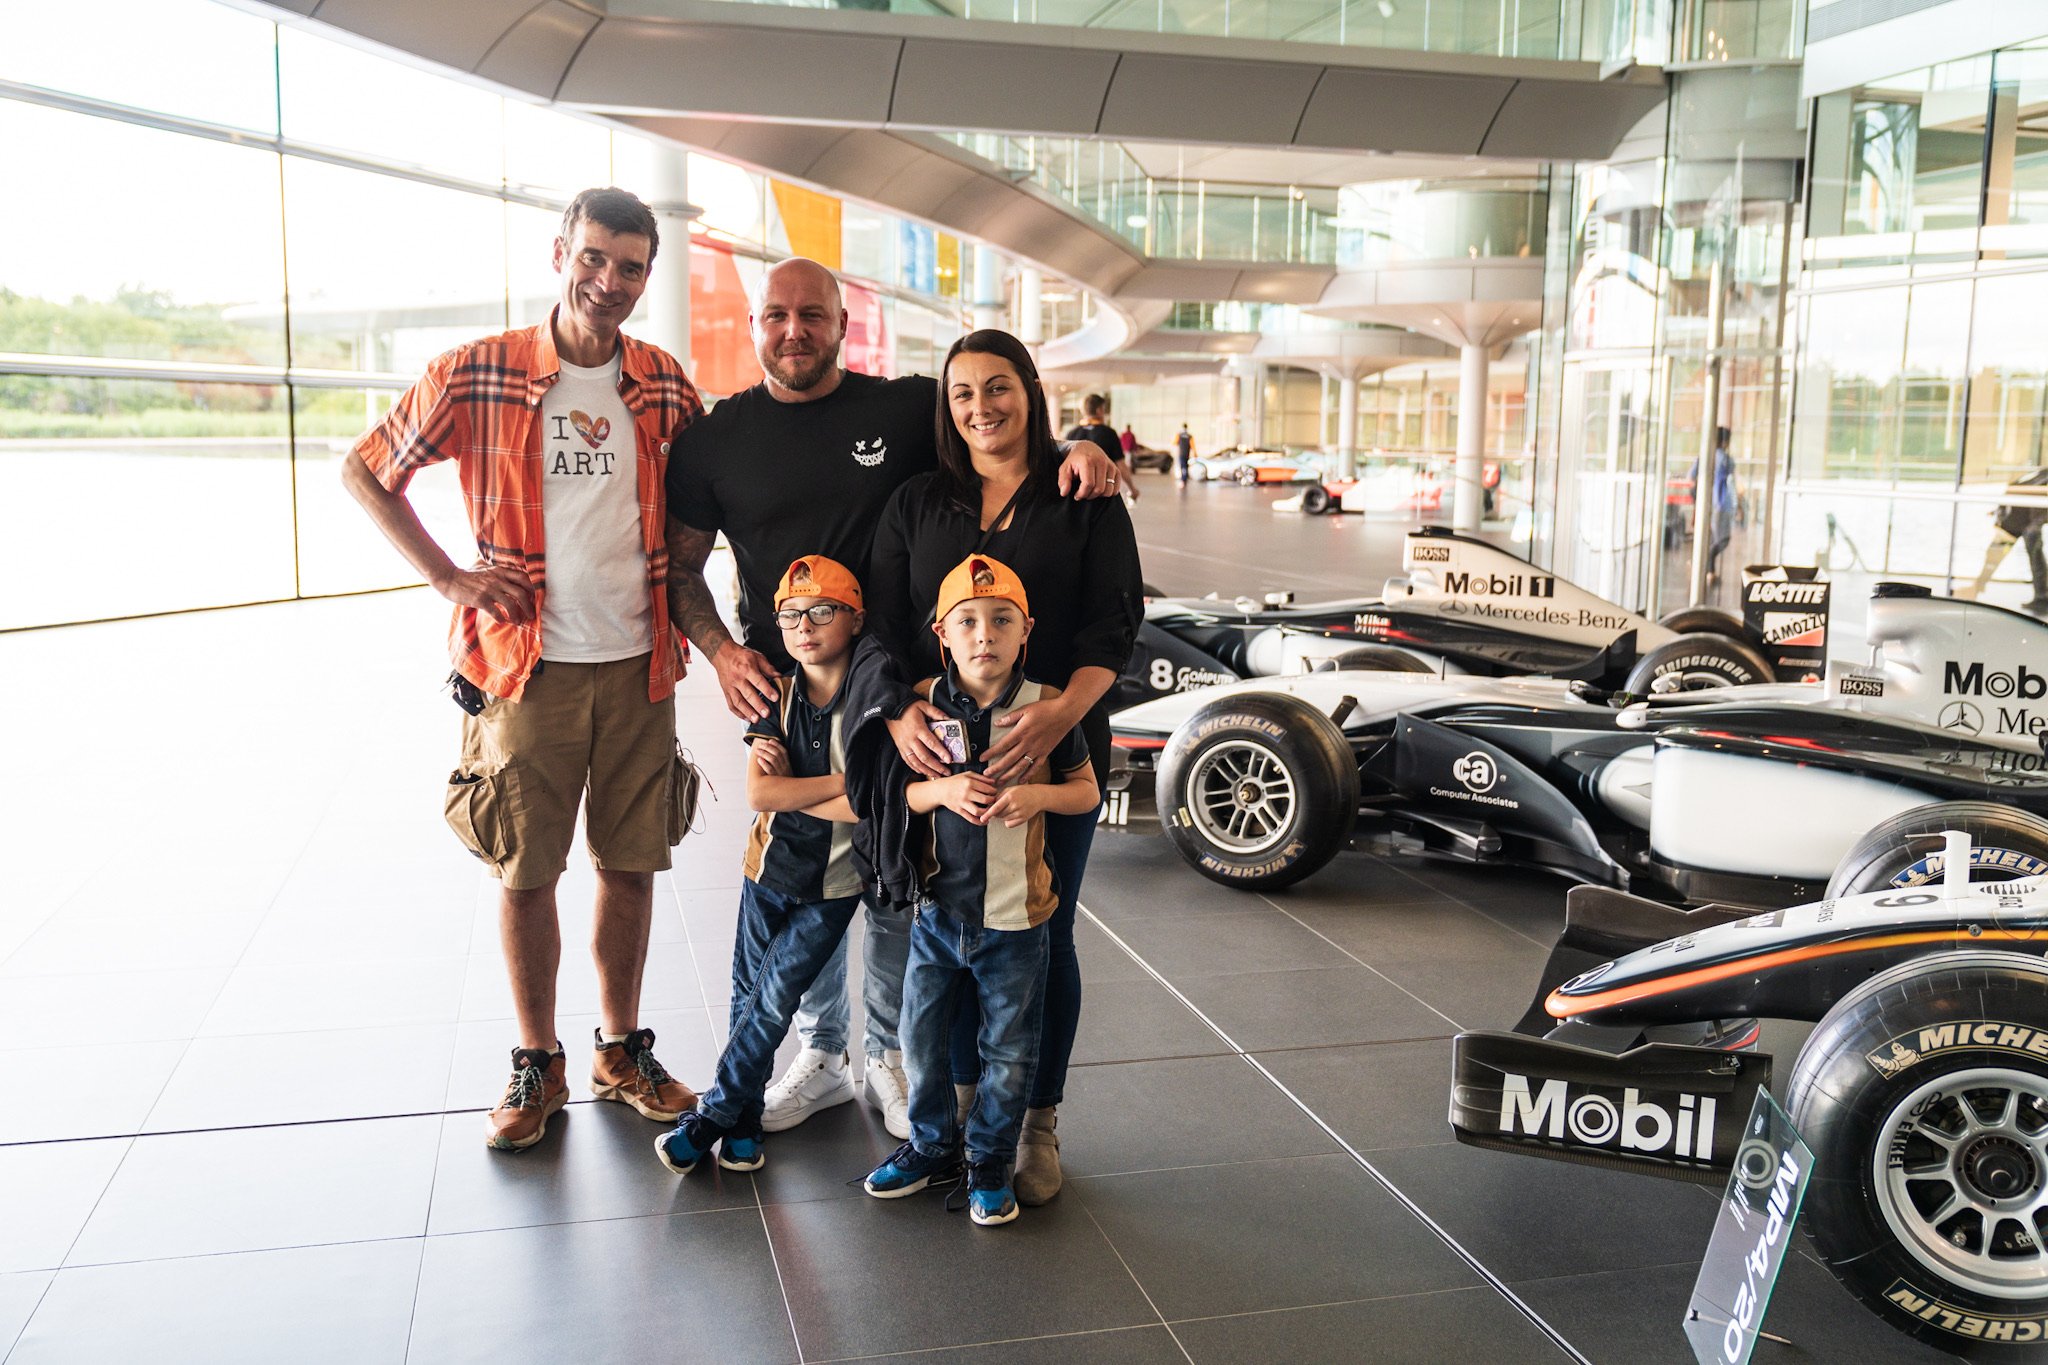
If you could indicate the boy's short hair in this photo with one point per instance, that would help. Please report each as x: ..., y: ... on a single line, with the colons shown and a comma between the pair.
x: 980, y: 576
x: 817, y: 576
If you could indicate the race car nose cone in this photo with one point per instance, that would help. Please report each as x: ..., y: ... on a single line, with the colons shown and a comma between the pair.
x: 2000, y: 1168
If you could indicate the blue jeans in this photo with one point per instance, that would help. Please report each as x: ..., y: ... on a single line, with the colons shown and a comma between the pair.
x: 1007, y: 967
x: 1067, y: 840
x: 824, y: 1017
x: 781, y: 943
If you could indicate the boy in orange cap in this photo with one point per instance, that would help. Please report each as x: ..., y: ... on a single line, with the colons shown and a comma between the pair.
x: 800, y: 888
x: 988, y: 891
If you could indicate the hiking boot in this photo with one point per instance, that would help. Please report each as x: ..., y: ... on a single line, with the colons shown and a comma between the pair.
x: 536, y: 1093
x: 687, y: 1144
x: 626, y: 1071
x: 888, y: 1090
x: 907, y: 1171
x: 1038, y: 1176
x: 815, y: 1080
x: 989, y: 1199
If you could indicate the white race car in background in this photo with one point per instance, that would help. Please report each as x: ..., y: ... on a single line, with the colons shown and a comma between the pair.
x: 1758, y: 790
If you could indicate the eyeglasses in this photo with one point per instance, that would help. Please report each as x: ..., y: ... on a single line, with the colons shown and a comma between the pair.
x: 821, y: 615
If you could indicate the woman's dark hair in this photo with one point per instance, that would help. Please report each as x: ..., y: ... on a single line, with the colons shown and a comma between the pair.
x: 957, y: 481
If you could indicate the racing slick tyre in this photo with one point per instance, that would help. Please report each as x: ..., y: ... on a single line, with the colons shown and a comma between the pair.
x: 1704, y: 621
x: 1257, y: 790
x: 1315, y: 500
x: 1923, y: 1095
x: 1699, y: 661
x: 1376, y: 659
x: 1905, y: 850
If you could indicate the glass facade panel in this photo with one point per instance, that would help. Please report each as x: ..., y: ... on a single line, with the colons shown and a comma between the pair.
x: 339, y: 549
x: 321, y: 99
x: 161, y: 44
x: 388, y: 273
x: 209, y: 465
x: 195, y: 286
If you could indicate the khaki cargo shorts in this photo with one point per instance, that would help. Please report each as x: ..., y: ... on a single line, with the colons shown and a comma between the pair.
x: 527, y: 765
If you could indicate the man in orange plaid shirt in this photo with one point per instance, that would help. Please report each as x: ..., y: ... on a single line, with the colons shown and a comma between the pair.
x: 564, y: 653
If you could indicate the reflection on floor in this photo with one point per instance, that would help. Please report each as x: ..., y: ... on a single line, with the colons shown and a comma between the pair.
x: 252, y: 1004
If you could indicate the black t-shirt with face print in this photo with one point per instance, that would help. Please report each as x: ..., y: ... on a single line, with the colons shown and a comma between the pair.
x: 783, y: 480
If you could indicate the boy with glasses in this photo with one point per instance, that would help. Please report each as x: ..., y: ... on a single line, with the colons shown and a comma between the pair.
x: 801, y: 887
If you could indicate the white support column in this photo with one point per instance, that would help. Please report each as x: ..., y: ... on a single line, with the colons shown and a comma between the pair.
x: 1030, y: 307
x: 988, y: 287
x: 1347, y: 425
x: 667, y: 300
x: 1468, y: 498
x: 1251, y: 405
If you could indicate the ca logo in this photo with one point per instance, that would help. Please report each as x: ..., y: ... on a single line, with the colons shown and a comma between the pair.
x: 1476, y: 771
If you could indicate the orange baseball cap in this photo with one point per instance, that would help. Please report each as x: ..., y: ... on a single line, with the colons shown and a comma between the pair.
x: 817, y: 576
x: 980, y: 576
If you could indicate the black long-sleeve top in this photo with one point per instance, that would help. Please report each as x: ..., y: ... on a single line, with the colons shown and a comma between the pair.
x: 1078, y: 561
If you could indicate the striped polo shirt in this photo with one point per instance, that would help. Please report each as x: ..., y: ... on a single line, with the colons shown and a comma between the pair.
x: 992, y: 874
x: 788, y: 851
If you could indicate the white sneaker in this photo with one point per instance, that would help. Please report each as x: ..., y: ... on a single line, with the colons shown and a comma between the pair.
x: 888, y: 1090
x: 815, y: 1080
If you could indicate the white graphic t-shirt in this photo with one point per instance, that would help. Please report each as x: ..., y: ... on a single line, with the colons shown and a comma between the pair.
x: 597, y: 607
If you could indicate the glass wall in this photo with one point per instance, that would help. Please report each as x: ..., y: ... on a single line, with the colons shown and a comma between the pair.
x: 262, y: 259
x: 1923, y: 368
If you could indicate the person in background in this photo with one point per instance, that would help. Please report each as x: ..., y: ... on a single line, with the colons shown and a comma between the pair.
x: 1095, y: 427
x: 1183, y: 451
x: 2017, y: 522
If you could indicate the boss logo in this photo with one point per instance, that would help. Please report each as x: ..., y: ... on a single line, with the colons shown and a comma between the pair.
x: 1430, y: 554
x: 1862, y: 687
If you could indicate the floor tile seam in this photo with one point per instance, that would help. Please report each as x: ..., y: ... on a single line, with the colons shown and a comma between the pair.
x: 796, y: 1337
x: 1439, y: 893
x: 1075, y: 1177
x: 1136, y: 1283
x: 1328, y: 1303
x: 240, y: 962
x: 22, y: 1331
x: 1415, y: 1210
x: 690, y: 941
x: 69, y: 1268
x: 252, y: 1127
x: 995, y: 1341
x: 1363, y: 963
x: 1617, y: 1270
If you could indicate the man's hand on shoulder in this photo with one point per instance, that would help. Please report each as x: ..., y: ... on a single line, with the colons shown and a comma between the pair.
x: 746, y: 678
x: 1087, y: 472
x: 498, y: 590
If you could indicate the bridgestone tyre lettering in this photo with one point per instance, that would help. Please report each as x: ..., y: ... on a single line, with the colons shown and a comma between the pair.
x: 1700, y: 661
x: 2004, y: 844
x: 1931, y: 1172
x: 1705, y: 621
x: 1315, y: 500
x: 1379, y: 659
x: 1257, y: 791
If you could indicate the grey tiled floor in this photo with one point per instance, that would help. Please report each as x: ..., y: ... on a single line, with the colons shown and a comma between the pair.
x: 251, y: 1006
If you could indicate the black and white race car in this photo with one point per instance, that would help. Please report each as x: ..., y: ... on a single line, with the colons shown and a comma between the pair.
x: 1922, y: 1093
x: 1758, y: 790
x: 1461, y: 606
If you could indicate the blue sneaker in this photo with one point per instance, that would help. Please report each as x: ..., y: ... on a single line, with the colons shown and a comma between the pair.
x: 741, y: 1153
x: 688, y: 1142
x: 907, y: 1171
x: 989, y: 1198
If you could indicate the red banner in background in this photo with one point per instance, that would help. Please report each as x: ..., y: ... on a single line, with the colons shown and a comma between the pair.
x: 867, y: 334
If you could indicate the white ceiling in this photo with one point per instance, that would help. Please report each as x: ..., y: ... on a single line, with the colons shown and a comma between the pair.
x: 1285, y: 166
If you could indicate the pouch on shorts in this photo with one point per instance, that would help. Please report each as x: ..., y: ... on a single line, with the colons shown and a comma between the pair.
x: 476, y: 812
x: 686, y: 786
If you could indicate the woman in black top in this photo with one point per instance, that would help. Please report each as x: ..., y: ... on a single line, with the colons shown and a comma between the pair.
x: 994, y: 492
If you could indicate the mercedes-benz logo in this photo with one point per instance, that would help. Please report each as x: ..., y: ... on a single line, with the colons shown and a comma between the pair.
x: 1454, y: 606
x: 1961, y: 715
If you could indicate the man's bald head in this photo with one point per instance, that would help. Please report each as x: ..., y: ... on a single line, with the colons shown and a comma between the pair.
x: 799, y: 321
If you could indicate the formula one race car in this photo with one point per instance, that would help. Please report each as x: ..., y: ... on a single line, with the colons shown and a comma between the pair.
x: 1758, y: 790
x: 1922, y: 1093
x: 1463, y: 606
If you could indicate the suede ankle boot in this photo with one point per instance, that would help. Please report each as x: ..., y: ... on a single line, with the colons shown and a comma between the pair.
x: 1038, y: 1158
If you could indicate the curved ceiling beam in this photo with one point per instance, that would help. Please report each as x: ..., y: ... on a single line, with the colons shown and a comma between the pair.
x: 866, y: 69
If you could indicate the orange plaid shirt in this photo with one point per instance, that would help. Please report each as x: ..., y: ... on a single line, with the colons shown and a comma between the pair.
x: 480, y: 405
